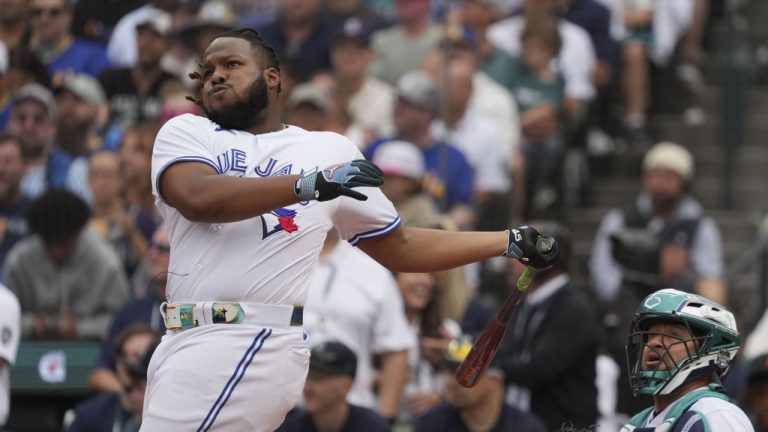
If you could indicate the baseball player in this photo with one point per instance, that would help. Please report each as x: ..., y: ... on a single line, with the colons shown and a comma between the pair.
x: 679, y: 347
x: 248, y: 201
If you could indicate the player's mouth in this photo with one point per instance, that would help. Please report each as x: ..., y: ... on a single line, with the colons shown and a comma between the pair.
x: 218, y: 89
x: 652, y: 361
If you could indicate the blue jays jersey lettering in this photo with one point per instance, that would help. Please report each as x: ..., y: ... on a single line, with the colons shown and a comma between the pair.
x: 277, y: 250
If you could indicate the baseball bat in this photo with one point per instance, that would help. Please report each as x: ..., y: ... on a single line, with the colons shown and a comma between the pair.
x: 489, y: 341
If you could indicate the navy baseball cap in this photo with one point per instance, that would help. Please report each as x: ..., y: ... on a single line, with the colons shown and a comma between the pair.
x: 354, y: 28
x: 333, y: 358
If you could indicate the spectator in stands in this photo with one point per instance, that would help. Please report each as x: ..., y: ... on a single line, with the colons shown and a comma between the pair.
x: 479, y: 140
x: 33, y: 123
x: 539, y: 92
x: 213, y: 18
x: 53, y: 42
x: 81, y: 115
x: 449, y: 175
x: 403, y: 166
x: 135, y: 151
x: 432, y: 329
x: 549, y: 356
x: 133, y: 92
x: 414, y: 30
x: 310, y: 107
x: 10, y: 333
x: 340, y: 11
x: 650, y: 33
x: 13, y: 202
x: 367, y: 100
x: 595, y: 18
x: 576, y: 59
x: 662, y: 239
x: 109, y: 215
x: 144, y: 310
x: 14, y: 23
x: 121, y: 410
x: 368, y: 318
x: 638, y: 19
x: 478, y: 408
x: 68, y: 280
x: 302, y: 37
x: 756, y: 393
x: 81, y: 108
x: 332, y: 367
x: 122, y: 49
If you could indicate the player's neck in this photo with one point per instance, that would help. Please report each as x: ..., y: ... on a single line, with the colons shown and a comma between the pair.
x: 661, y: 402
x: 333, y: 419
x: 270, y: 123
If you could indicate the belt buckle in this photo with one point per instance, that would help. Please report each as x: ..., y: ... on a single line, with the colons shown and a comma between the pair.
x: 179, y: 317
x: 227, y: 313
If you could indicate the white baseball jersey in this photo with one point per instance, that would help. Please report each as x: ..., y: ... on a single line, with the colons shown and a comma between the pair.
x: 269, y: 258
x: 10, y: 330
x: 356, y: 301
x: 246, y: 376
x: 722, y: 416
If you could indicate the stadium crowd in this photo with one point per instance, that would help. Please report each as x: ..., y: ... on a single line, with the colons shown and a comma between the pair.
x: 479, y: 112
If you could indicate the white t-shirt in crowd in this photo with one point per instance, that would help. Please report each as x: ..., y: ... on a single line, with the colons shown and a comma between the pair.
x: 354, y: 300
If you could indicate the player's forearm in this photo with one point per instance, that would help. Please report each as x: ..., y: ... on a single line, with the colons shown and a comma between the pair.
x: 220, y: 199
x: 419, y: 250
x: 394, y: 374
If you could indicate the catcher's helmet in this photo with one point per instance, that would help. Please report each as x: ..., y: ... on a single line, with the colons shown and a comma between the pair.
x: 713, y: 333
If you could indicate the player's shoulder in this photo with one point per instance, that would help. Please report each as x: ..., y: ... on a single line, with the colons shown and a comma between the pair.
x: 189, y: 119
x: 720, y: 412
x: 324, y: 141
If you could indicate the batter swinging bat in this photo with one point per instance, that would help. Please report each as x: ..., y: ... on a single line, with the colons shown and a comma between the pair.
x: 484, y: 349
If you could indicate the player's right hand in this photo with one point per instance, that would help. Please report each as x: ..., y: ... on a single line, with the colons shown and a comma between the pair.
x: 531, y: 248
x: 337, y: 180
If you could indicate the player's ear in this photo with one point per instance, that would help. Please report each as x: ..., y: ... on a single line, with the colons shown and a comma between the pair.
x: 272, y: 77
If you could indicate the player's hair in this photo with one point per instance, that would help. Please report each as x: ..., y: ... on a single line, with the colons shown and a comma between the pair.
x: 58, y: 215
x: 265, y: 53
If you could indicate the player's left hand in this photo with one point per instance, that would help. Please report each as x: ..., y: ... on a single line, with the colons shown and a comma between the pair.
x: 338, y: 180
x: 531, y: 248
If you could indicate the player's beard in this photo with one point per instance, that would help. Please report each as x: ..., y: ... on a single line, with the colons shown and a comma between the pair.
x: 246, y: 112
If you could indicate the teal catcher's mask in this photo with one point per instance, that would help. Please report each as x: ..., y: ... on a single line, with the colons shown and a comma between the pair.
x: 710, y: 340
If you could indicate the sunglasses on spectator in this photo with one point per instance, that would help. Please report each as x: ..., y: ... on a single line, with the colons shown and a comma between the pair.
x: 165, y: 248
x: 51, y: 12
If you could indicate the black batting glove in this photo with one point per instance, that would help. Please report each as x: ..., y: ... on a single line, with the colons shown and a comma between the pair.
x: 531, y: 248
x: 338, y: 180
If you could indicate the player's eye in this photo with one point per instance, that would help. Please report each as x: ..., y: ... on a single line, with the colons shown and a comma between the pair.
x: 232, y: 64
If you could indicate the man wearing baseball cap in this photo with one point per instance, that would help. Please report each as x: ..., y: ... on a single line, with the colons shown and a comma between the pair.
x: 332, y: 367
x: 478, y: 408
x: 134, y: 92
x: 663, y: 239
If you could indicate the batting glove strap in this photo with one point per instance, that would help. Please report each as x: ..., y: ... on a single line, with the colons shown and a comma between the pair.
x: 305, y: 186
x: 337, y: 180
